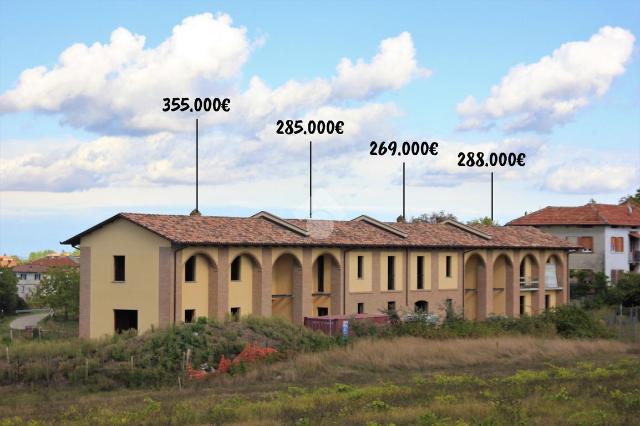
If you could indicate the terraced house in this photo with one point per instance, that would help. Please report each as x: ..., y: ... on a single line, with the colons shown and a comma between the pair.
x: 144, y: 270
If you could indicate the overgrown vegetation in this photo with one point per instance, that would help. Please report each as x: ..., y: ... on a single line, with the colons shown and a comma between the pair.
x: 500, y: 381
x: 593, y: 290
x: 59, y: 289
x: 565, y: 321
x: 153, y: 359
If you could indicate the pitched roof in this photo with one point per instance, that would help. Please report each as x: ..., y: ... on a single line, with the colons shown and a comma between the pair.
x: 264, y: 231
x: 589, y: 214
x: 41, y: 265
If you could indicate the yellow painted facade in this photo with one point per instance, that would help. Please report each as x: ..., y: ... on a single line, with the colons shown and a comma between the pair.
x: 241, y: 291
x: 448, y: 282
x: 413, y: 275
x: 139, y: 291
x: 364, y: 284
x: 398, y: 269
x: 289, y: 267
x: 282, y: 284
x: 195, y: 294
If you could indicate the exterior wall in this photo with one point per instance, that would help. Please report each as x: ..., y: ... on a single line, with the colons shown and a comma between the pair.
x: 613, y: 260
x: 195, y: 294
x: 448, y: 283
x: 578, y: 260
x: 480, y: 283
x: 241, y: 291
x: 29, y: 285
x: 364, y: 284
x: 140, y: 289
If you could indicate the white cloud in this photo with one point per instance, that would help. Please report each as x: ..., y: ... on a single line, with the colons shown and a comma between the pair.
x: 592, y: 178
x: 549, y: 92
x: 117, y: 87
x: 393, y: 67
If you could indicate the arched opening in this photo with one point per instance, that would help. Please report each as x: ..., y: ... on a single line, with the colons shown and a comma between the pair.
x: 529, y: 281
x: 474, y: 283
x: 553, y: 276
x: 421, y: 306
x: 554, y: 280
x: 502, y: 281
x: 245, y: 275
x: 197, y: 291
x: 287, y: 275
x: 529, y: 274
x: 326, y: 282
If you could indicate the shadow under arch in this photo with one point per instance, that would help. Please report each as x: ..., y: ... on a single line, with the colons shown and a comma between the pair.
x: 286, y: 282
x: 475, y: 272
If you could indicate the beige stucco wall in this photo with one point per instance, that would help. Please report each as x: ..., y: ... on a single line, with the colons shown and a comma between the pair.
x: 282, y: 283
x: 399, y: 270
x: 241, y: 291
x: 444, y: 282
x: 413, y: 269
x: 528, y: 300
x: 195, y: 294
x: 140, y: 289
x: 364, y: 284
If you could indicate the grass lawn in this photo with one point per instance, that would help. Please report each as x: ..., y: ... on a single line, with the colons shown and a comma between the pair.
x: 404, y: 380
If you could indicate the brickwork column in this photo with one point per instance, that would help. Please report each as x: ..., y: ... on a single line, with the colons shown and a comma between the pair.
x: 221, y: 290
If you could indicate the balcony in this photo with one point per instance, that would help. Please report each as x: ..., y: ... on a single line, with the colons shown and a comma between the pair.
x: 634, y: 256
x: 528, y: 283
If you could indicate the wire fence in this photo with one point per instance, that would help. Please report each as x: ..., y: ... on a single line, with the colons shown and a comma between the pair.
x: 624, y: 321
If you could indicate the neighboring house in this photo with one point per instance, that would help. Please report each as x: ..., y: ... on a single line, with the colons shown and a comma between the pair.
x: 8, y: 261
x: 30, y: 274
x: 145, y: 270
x: 608, y: 234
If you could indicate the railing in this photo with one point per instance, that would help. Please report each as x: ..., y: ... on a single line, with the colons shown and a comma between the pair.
x: 529, y: 283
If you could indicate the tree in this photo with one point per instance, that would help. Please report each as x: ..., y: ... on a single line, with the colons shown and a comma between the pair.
x: 486, y: 220
x: 8, y: 291
x: 434, y: 217
x: 60, y: 289
x: 39, y: 254
x: 634, y: 198
x: 626, y: 291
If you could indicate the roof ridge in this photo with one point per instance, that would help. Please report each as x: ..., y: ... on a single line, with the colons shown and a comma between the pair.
x: 280, y: 221
x: 379, y: 224
x: 595, y: 209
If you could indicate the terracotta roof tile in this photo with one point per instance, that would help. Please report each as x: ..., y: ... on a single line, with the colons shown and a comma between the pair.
x: 41, y: 265
x: 589, y: 214
x: 216, y: 230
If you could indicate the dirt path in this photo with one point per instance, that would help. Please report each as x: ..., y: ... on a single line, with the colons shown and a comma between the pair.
x: 26, y: 321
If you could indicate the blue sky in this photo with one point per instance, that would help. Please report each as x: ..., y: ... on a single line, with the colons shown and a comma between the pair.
x: 73, y: 152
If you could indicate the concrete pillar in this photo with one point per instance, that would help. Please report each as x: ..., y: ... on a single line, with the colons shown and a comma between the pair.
x: 538, y: 295
x: 513, y: 288
x: 222, y: 288
x: 303, y: 288
x: 85, y: 293
x: 262, y: 295
x: 485, y: 287
x: 563, y: 295
x: 212, y: 286
x: 176, y: 308
x: 375, y: 273
x: 337, y: 286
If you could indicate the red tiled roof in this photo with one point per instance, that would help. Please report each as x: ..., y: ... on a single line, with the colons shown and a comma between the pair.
x: 41, y: 265
x: 216, y: 230
x: 589, y: 214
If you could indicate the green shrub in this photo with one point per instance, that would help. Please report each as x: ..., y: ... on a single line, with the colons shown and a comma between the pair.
x: 574, y: 322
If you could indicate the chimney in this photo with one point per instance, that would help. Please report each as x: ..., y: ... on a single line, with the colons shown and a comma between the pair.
x: 629, y: 208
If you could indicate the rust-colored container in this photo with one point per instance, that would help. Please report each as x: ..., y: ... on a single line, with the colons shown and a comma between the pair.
x: 333, y: 325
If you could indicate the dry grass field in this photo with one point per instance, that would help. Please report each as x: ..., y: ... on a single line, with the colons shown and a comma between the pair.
x: 404, y: 380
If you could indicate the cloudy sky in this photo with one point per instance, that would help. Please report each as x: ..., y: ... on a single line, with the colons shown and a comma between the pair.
x: 83, y: 135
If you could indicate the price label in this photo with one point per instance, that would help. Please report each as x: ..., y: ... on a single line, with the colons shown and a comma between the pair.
x: 493, y: 159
